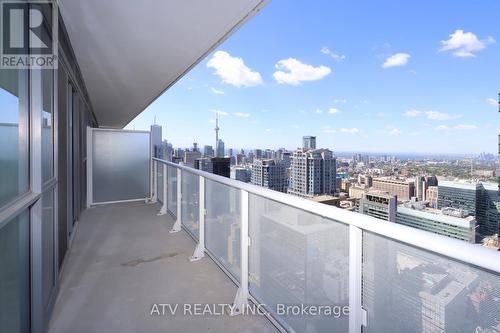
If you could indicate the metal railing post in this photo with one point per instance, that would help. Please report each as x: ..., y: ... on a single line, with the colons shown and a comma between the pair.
x: 357, y: 315
x: 163, y: 209
x: 199, y: 251
x: 177, y: 225
x: 242, y: 295
x: 154, y: 198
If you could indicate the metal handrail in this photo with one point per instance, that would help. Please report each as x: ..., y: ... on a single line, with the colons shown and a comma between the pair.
x: 449, y: 247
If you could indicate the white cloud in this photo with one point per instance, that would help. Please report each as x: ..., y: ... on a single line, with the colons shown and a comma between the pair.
x: 412, y: 113
x: 333, y: 110
x: 397, y: 59
x: 319, y: 111
x: 349, y: 130
x: 329, y: 130
x: 435, y: 115
x: 265, y: 111
x: 395, y: 131
x: 216, y: 91
x: 232, y: 70
x: 340, y: 100
x: 212, y: 121
x: 464, y: 44
x: 292, y: 71
x: 268, y: 130
x: 242, y: 114
x: 333, y: 55
x: 492, y: 101
x: 462, y: 127
x: 220, y: 112
x: 381, y: 114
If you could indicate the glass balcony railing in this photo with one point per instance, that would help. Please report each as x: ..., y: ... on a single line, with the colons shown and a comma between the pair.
x: 317, y: 268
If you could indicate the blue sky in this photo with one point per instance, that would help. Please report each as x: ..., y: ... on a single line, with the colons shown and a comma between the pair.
x: 370, y: 76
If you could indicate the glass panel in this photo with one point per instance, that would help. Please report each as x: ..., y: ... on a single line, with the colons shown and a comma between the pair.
x: 15, y: 275
x: 406, y: 289
x: 222, y: 225
x: 48, y: 280
x: 190, y: 202
x: 14, y: 137
x: 159, y: 187
x: 47, y: 128
x: 121, y: 162
x: 172, y: 190
x: 299, y: 258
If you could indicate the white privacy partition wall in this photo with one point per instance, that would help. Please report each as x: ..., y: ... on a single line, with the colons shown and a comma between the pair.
x: 285, y: 250
x: 119, y: 166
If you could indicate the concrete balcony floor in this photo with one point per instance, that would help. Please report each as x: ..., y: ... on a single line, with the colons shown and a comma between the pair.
x: 124, y: 260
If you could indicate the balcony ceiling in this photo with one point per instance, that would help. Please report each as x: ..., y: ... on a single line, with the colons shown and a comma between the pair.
x: 130, y: 52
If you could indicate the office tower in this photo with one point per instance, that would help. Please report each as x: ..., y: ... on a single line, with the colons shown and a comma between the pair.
x: 286, y: 157
x: 258, y: 154
x: 156, y: 138
x: 422, y: 183
x: 208, y: 151
x: 179, y: 152
x: 431, y: 196
x: 220, y: 150
x: 221, y: 166
x: 240, y: 159
x: 270, y: 174
x: 402, y: 189
x: 251, y: 157
x: 381, y: 205
x: 480, y: 199
x: 312, y: 172
x: 166, y: 151
x: 190, y: 157
x: 242, y: 174
x: 267, y: 154
x: 204, y: 164
x: 450, y: 222
x: 309, y: 142
x: 230, y: 152
x: 420, y: 188
x: 195, y: 147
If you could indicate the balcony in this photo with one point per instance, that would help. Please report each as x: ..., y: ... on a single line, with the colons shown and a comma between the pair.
x: 124, y: 260
x: 211, y: 240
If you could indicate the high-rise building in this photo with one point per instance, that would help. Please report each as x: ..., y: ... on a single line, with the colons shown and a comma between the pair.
x: 431, y: 196
x: 220, y: 150
x: 208, y: 151
x: 242, y: 174
x: 221, y: 166
x: 190, y: 157
x: 381, y: 205
x: 204, y: 164
x: 270, y: 174
x: 422, y: 183
x: 309, y: 142
x: 312, y: 172
x: 156, y: 146
x: 195, y: 147
x: 402, y: 189
x: 480, y: 199
x: 258, y: 154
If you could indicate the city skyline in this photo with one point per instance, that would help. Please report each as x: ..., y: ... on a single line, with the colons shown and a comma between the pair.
x: 357, y: 81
